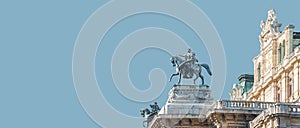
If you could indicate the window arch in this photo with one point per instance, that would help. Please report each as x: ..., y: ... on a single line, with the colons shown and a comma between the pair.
x: 258, y: 72
x: 279, y: 53
x: 283, y: 49
x: 290, y: 84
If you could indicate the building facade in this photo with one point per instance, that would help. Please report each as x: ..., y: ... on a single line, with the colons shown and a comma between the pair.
x: 276, y: 68
x: 245, y: 84
x: 267, y: 99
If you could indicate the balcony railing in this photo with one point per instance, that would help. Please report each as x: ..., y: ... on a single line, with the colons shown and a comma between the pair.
x: 263, y: 109
x: 278, y: 108
x: 229, y: 104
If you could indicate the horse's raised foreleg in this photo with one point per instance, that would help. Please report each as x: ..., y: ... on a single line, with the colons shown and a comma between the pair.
x: 202, y: 78
x: 176, y: 74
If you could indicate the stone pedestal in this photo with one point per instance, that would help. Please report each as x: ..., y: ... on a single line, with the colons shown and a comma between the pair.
x: 188, y: 100
x: 187, y: 105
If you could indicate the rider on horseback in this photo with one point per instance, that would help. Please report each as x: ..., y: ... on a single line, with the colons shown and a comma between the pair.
x: 187, y: 67
x: 189, y: 62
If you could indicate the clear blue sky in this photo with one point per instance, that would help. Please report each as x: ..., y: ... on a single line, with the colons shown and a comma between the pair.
x: 37, y: 43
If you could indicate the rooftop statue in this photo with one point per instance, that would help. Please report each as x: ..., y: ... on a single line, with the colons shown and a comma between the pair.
x: 188, y: 67
x: 154, y: 108
x: 271, y: 23
x: 145, y: 112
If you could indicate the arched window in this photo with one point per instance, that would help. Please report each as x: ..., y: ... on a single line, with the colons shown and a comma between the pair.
x: 258, y: 72
x: 279, y: 53
x: 290, y: 84
x: 283, y: 49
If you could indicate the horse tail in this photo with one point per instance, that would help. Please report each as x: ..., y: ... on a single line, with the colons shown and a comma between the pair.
x: 207, y: 68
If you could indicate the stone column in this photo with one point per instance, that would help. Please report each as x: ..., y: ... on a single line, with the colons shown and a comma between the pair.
x: 295, y: 84
x: 298, y: 77
x: 283, y: 86
x: 274, y: 90
x: 263, y: 95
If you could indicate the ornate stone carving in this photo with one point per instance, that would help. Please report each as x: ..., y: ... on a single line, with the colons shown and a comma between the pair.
x: 270, y: 27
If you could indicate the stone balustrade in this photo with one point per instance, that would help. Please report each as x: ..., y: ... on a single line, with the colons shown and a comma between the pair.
x: 261, y: 109
x: 230, y: 104
x: 278, y: 108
